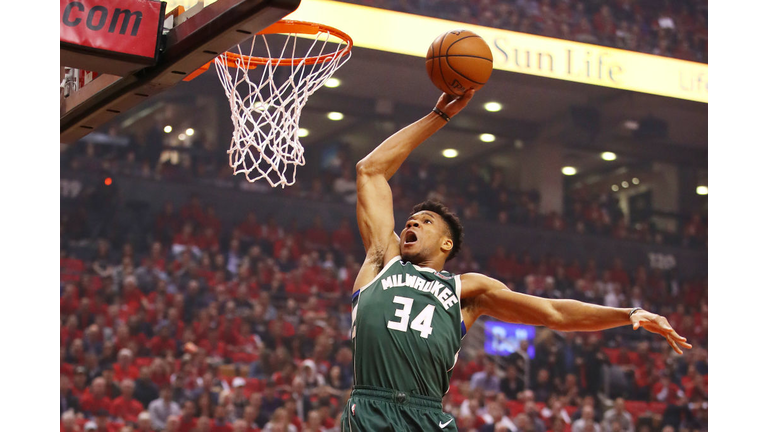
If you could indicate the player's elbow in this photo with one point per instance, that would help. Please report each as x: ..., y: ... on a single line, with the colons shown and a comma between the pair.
x: 363, y: 168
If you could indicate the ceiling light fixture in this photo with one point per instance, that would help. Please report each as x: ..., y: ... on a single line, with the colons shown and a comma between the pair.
x: 486, y: 137
x: 450, y: 153
x: 333, y: 82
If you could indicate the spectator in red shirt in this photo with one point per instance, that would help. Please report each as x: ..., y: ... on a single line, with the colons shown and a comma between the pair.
x: 69, y: 422
x: 70, y: 332
x: 192, y: 210
x: 343, y: 239
x: 124, y: 368
x: 618, y: 274
x: 666, y: 391
x: 69, y: 300
x: 162, y: 343
x: 144, y: 422
x: 172, y: 424
x: 220, y: 423
x: 133, y: 298
x: 316, y: 236
x: 210, y: 220
x: 250, y: 227
x: 95, y: 398
x: 103, y: 424
x: 167, y: 222
x: 187, y: 420
x: 209, y: 240
x: 125, y: 407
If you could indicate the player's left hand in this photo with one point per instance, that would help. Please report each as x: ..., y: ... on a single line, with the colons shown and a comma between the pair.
x: 659, y: 325
x: 452, y: 105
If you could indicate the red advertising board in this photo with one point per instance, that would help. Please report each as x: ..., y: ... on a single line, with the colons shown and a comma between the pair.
x: 126, y: 32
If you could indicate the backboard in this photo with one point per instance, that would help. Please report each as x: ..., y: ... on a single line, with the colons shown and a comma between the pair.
x: 188, y: 40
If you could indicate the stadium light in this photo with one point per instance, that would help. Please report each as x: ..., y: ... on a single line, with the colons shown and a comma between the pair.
x: 702, y: 190
x: 615, y: 188
x: 569, y: 170
x: 335, y: 116
x: 189, y: 132
x: 631, y: 125
x: 636, y: 181
x: 303, y: 132
x: 168, y: 129
x: 608, y: 156
x: 486, y: 137
x: 492, y: 106
x: 333, y: 82
x: 450, y: 153
x: 625, y: 184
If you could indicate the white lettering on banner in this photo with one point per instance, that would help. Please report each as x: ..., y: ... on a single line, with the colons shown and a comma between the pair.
x: 662, y: 261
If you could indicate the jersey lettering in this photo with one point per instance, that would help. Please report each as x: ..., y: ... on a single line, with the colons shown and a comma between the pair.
x: 443, y: 294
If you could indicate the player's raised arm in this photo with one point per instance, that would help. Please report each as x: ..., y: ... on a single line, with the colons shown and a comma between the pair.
x: 375, y: 215
x: 483, y: 295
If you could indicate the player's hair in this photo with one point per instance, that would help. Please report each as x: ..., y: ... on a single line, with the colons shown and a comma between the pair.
x: 454, y: 224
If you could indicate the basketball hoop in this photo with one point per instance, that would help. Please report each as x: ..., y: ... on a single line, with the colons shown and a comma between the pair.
x: 266, y: 108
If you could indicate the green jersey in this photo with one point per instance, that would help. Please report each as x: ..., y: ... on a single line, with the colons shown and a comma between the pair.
x: 407, y: 329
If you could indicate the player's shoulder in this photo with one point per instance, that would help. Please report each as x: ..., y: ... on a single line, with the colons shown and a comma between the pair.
x: 474, y: 284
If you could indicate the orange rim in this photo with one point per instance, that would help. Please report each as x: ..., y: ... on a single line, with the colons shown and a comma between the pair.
x: 287, y: 27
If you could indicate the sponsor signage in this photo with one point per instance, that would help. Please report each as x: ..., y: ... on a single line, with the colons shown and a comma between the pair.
x: 517, y: 52
x: 110, y: 36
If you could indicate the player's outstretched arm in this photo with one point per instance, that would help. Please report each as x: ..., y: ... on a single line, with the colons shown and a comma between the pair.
x: 482, y: 295
x: 375, y: 215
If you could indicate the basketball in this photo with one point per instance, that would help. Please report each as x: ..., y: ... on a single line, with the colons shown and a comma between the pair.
x: 459, y: 60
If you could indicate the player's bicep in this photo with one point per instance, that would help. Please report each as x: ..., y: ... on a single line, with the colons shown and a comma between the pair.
x: 375, y: 213
x: 491, y: 297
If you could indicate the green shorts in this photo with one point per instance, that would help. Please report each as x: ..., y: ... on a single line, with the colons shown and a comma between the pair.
x: 375, y: 409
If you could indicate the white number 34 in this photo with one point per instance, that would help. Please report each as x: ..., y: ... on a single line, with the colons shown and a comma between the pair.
x: 422, y: 323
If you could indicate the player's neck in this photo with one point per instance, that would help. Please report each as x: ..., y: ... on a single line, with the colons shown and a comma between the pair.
x: 433, y: 264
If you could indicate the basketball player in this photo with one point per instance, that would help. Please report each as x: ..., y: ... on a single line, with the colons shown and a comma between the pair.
x: 409, y: 315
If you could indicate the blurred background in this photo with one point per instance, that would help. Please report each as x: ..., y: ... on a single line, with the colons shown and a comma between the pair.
x: 192, y: 300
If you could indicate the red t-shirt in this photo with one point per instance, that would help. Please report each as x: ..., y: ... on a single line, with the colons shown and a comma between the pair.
x: 91, y: 404
x: 131, y: 372
x: 316, y: 237
x: 128, y: 410
x: 187, y: 426
x: 343, y: 240
x: 159, y: 346
x: 220, y: 427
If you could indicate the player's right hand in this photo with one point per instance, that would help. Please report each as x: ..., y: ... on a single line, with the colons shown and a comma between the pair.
x: 452, y: 105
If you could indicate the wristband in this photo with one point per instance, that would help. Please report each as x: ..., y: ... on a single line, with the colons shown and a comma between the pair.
x: 634, y: 310
x: 437, y: 111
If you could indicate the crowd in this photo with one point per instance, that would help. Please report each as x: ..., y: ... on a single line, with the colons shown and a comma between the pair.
x: 479, y: 192
x: 245, y: 328
x: 662, y: 27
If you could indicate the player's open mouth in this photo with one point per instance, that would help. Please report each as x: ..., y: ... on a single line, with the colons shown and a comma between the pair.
x: 410, y: 237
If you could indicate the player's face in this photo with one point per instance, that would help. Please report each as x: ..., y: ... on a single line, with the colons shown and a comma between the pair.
x: 422, y: 237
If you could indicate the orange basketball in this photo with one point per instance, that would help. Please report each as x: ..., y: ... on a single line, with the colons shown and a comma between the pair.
x: 459, y: 60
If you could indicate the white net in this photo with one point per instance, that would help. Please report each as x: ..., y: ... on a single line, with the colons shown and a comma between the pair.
x: 266, y: 101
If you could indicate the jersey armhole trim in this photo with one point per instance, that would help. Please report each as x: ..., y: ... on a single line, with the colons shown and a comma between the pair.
x: 457, y: 278
x: 385, y: 268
